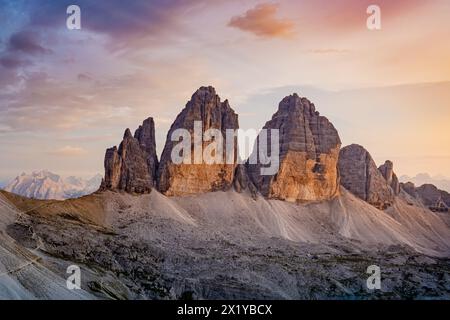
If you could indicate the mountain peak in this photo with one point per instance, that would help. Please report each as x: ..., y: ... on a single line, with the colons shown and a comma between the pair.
x: 206, y: 107
x: 360, y: 176
x: 309, y: 148
x: 132, y: 167
x: 127, y: 134
x: 296, y: 104
x: 47, y: 185
x: 203, y: 90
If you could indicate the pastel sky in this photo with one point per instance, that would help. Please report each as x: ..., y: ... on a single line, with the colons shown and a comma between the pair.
x: 67, y: 95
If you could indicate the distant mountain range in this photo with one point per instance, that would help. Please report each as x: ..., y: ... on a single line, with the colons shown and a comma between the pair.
x: 440, y: 182
x: 47, y: 185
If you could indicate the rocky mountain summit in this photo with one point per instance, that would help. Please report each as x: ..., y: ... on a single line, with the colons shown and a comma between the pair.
x: 428, y: 194
x: 194, y: 176
x: 440, y: 181
x: 387, y: 170
x: 132, y: 167
x: 309, y: 150
x: 360, y: 175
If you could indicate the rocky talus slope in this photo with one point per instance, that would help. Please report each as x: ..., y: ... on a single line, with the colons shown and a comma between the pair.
x: 229, y: 245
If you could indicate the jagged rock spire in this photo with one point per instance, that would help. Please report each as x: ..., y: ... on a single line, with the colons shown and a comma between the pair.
x: 132, y: 166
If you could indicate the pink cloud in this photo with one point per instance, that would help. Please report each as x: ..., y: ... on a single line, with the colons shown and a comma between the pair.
x: 69, y: 151
x: 263, y: 22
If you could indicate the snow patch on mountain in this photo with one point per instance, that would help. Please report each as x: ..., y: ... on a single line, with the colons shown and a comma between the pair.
x: 47, y: 185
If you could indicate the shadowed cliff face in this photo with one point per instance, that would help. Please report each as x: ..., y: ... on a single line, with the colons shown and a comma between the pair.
x: 387, y: 170
x: 359, y: 175
x: 309, y: 149
x: 206, y: 108
x: 132, y: 167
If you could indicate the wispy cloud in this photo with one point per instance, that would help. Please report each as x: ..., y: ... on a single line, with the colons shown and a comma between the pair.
x: 69, y: 151
x: 27, y: 42
x: 328, y: 51
x: 263, y: 22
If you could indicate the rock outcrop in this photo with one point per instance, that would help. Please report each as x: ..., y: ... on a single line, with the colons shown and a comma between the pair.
x: 132, y: 166
x: 387, y: 170
x: 145, y: 134
x: 196, y: 177
x: 409, y: 188
x: 431, y: 196
x: 309, y: 149
x: 360, y: 175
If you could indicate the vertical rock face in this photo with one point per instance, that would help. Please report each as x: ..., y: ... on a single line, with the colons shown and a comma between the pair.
x: 187, y: 179
x: 359, y: 175
x: 387, y: 170
x: 309, y: 150
x: 145, y: 134
x: 132, y: 167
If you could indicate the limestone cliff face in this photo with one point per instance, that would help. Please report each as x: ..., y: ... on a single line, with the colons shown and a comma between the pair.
x: 359, y: 175
x: 131, y: 167
x: 309, y: 150
x: 387, y: 170
x: 194, y: 178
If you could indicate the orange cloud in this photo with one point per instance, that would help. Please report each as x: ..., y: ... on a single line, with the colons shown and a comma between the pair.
x: 262, y: 21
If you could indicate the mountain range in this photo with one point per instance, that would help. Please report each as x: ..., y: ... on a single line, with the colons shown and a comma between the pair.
x: 46, y: 185
x: 157, y: 229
